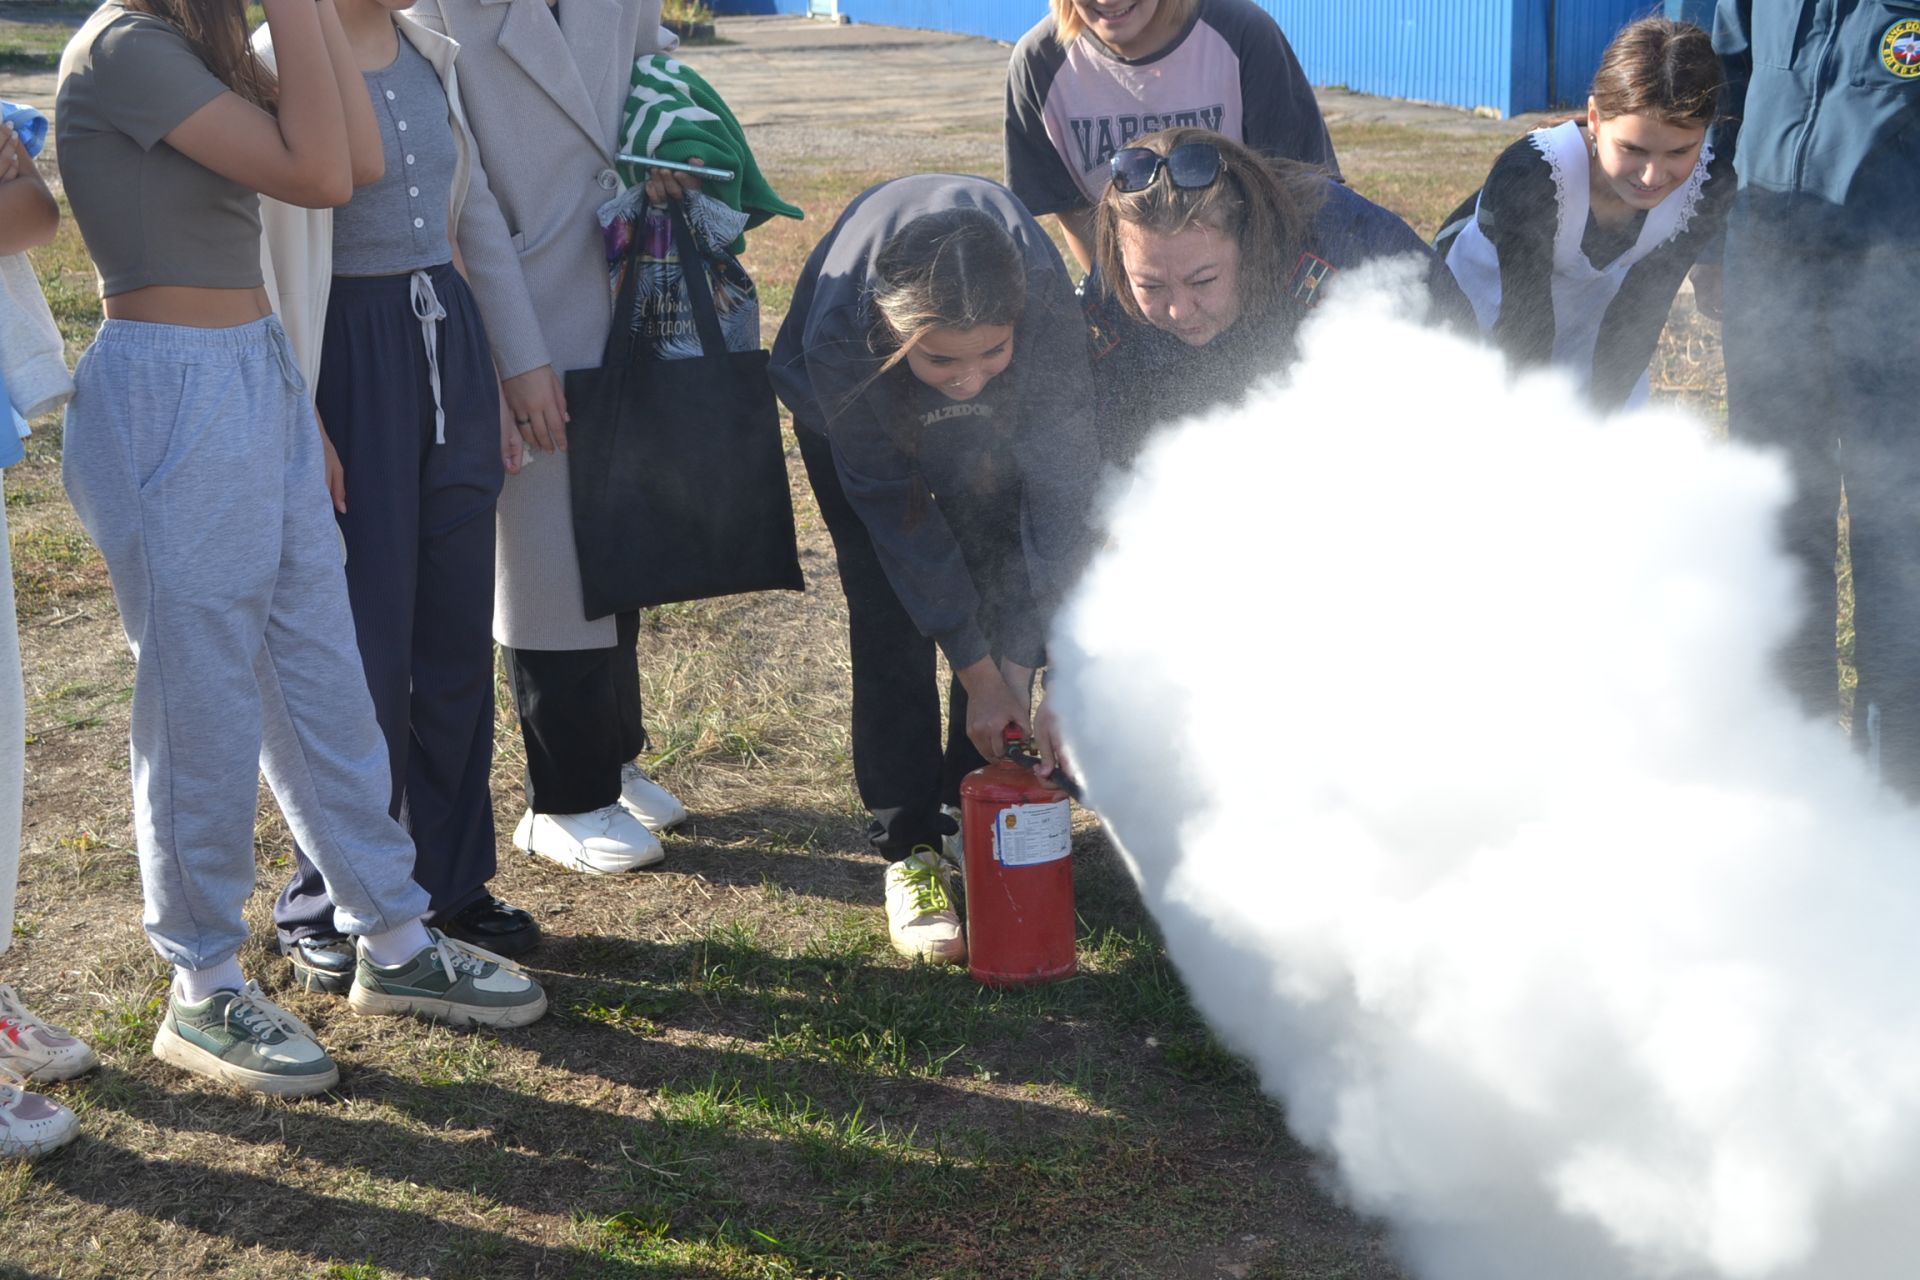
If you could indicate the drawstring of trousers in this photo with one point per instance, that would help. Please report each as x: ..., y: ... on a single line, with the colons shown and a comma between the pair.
x: 289, y: 367
x: 428, y: 311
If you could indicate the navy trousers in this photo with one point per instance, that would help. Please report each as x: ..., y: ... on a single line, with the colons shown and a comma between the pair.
x: 1819, y: 344
x: 419, y: 545
x: 902, y: 767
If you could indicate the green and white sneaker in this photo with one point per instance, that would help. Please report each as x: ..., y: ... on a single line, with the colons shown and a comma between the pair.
x: 243, y: 1038
x: 921, y: 919
x: 452, y: 982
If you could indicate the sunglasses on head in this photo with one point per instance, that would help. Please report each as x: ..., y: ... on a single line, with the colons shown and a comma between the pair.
x: 1189, y: 165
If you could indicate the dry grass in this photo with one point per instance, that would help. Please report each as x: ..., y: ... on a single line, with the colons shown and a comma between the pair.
x: 738, y: 1078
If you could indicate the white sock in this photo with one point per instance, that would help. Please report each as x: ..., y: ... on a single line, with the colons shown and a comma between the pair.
x: 397, y: 945
x: 195, y: 986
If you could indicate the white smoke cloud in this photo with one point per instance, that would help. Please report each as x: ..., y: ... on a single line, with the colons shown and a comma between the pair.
x: 1434, y: 718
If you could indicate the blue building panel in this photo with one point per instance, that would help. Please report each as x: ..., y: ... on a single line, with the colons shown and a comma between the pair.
x: 761, y: 8
x: 1695, y: 11
x: 1455, y: 51
x: 1005, y: 20
x: 1509, y: 56
x: 1582, y: 30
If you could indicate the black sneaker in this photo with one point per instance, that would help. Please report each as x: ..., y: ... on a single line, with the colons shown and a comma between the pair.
x: 322, y: 963
x: 495, y: 926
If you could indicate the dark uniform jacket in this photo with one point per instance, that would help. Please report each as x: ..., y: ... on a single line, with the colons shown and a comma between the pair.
x: 1824, y: 116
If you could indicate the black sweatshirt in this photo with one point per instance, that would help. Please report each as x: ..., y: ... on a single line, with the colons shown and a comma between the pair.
x: 826, y: 365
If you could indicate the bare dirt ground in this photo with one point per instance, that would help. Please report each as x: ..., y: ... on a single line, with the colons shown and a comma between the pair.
x: 738, y: 1078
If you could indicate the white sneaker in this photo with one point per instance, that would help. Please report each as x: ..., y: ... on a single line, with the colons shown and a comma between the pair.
x: 37, y: 1050
x: 647, y: 800
x: 31, y: 1125
x: 921, y: 921
x: 604, y: 842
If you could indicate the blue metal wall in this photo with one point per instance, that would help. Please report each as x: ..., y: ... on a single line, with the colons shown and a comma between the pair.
x: 1507, y: 55
x: 797, y: 8
x: 1581, y: 30
x: 1006, y: 20
x: 1700, y: 11
x: 1473, y: 53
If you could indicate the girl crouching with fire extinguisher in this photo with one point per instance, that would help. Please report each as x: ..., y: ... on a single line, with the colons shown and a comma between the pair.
x: 935, y: 364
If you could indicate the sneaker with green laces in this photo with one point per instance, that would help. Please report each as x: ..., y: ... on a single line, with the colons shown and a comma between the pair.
x: 921, y: 919
x: 452, y: 982
x: 243, y: 1038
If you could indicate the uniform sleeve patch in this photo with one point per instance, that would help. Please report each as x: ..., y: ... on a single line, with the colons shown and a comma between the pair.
x: 1308, y: 277
x: 1900, y: 49
x: 1101, y: 335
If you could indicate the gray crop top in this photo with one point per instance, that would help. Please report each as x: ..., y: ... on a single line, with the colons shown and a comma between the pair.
x: 149, y: 215
x: 399, y: 223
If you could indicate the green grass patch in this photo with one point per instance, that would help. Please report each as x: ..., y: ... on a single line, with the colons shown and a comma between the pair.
x: 32, y: 36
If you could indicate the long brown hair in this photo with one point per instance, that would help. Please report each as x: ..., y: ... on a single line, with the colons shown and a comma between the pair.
x: 1660, y: 68
x: 1068, y: 24
x: 217, y: 30
x: 1265, y: 204
x: 952, y: 269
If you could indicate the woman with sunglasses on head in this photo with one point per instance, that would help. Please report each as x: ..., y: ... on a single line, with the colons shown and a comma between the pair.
x: 1574, y: 249
x: 1208, y: 257
x: 935, y: 365
x: 1096, y: 74
x: 192, y: 457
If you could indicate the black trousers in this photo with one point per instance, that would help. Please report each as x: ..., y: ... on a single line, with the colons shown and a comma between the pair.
x: 419, y: 539
x: 902, y: 766
x: 580, y: 719
x: 1815, y: 370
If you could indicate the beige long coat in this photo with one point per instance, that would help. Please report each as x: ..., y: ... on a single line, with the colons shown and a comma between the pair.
x: 544, y: 100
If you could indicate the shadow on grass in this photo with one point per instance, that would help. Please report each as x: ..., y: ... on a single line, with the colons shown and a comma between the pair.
x: 849, y: 1009
x: 249, y: 1210
x: 731, y: 1169
x: 833, y: 1110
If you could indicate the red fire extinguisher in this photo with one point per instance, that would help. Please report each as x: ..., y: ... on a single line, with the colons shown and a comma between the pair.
x: 1018, y: 835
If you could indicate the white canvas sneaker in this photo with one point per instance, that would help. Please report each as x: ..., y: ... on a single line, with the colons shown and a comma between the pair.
x: 35, y: 1049
x: 605, y: 842
x: 655, y: 806
x: 921, y: 920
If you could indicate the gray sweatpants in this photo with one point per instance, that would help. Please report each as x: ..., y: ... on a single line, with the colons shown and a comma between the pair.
x: 193, y: 459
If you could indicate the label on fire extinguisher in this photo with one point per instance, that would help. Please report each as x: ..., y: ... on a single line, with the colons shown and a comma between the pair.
x: 1025, y: 835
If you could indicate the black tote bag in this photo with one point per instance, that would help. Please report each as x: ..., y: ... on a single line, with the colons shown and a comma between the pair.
x: 678, y: 473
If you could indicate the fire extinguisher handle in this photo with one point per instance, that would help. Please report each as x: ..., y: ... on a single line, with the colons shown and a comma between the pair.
x: 1059, y: 777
